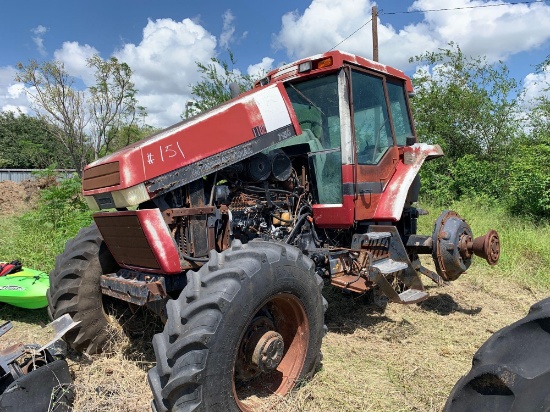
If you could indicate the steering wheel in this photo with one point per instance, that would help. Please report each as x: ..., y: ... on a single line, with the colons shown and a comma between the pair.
x: 365, y: 156
x: 312, y: 124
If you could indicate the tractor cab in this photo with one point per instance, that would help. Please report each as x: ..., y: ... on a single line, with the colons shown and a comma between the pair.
x: 356, y: 126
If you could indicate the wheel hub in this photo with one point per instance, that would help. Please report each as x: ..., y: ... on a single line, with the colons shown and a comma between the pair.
x: 262, y: 349
x: 268, y: 351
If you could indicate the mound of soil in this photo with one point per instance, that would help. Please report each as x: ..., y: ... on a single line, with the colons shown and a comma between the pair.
x: 16, y: 198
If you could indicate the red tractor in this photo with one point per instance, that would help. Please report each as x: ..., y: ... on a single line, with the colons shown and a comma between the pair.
x: 226, y: 225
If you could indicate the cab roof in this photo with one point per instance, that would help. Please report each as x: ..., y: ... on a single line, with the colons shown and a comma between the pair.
x: 330, y: 61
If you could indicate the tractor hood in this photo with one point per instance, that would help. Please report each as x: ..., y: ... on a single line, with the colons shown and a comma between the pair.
x: 193, y: 148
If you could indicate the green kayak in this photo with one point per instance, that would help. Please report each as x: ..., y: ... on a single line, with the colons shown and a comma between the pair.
x: 25, y: 289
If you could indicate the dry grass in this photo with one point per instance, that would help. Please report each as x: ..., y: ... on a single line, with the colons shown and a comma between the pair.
x: 397, y: 358
x: 116, y: 380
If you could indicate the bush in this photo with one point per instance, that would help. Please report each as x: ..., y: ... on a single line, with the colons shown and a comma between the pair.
x: 60, y: 213
x: 520, y: 181
x: 38, y: 236
x: 474, y: 177
x: 529, y: 183
x: 436, y: 182
x: 467, y: 177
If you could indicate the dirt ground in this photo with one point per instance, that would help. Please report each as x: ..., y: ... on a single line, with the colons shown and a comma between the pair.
x: 401, y: 358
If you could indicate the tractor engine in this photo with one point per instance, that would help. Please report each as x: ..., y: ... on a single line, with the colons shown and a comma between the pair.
x: 261, y: 197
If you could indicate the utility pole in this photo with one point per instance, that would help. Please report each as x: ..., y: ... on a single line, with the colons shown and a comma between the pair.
x: 374, y: 33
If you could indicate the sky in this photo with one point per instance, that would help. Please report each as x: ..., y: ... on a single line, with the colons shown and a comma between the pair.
x: 162, y: 40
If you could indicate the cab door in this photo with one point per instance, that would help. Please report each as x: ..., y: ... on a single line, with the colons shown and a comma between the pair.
x: 376, y: 152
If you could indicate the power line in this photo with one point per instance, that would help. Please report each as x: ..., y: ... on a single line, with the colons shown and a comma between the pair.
x: 444, y: 9
x: 465, y: 7
x: 351, y: 34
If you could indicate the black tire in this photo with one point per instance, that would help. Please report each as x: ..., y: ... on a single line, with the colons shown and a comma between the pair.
x: 227, y: 304
x: 74, y: 289
x: 511, y: 370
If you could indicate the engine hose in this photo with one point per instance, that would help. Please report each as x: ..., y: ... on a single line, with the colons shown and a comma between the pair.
x: 299, y: 223
x: 213, y: 189
x: 261, y: 190
x: 302, y: 208
x: 194, y: 259
x: 316, y: 238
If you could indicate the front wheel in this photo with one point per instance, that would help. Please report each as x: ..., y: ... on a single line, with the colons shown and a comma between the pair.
x: 74, y: 289
x: 248, y: 324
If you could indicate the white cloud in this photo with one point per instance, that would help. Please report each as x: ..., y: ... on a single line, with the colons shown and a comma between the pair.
x: 164, y: 66
x: 226, y: 36
x: 74, y: 55
x: 12, y: 94
x: 38, y: 38
x: 537, y: 85
x: 163, y: 63
x: 259, y: 69
x: 496, y: 32
x: 323, y: 25
x: 16, y: 90
x: 15, y: 109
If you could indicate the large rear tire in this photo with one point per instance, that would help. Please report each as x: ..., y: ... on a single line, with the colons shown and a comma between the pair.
x: 74, y: 289
x: 511, y: 370
x: 248, y: 324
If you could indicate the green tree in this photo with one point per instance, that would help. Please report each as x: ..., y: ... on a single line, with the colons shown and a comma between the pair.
x: 72, y: 113
x: 59, y: 104
x: 539, y: 117
x: 113, y: 103
x: 126, y: 135
x: 213, y: 88
x: 528, y: 184
x: 469, y: 107
x: 465, y: 104
x: 26, y: 143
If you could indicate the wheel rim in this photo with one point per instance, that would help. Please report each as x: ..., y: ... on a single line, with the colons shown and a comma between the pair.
x: 271, y: 351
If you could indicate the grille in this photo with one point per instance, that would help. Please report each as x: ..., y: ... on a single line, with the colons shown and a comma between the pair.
x: 101, y: 176
x: 126, y: 241
x: 140, y: 240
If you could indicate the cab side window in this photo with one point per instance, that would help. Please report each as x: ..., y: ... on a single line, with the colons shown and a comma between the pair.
x: 399, y: 112
x: 371, y: 119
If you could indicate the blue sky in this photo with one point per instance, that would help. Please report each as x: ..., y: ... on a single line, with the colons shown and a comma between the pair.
x: 162, y: 40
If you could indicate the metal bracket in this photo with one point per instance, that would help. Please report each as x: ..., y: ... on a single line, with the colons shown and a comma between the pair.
x: 170, y: 214
x: 138, y: 292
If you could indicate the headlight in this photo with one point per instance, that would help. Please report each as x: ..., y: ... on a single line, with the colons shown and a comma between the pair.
x: 92, y: 204
x: 132, y: 196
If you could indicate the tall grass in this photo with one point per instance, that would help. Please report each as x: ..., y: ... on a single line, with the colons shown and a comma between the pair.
x: 39, y: 235
x: 525, y: 245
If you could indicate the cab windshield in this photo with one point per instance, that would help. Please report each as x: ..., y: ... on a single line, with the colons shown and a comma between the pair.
x: 316, y: 103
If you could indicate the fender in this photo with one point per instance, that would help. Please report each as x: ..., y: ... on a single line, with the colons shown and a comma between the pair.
x: 392, y: 201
